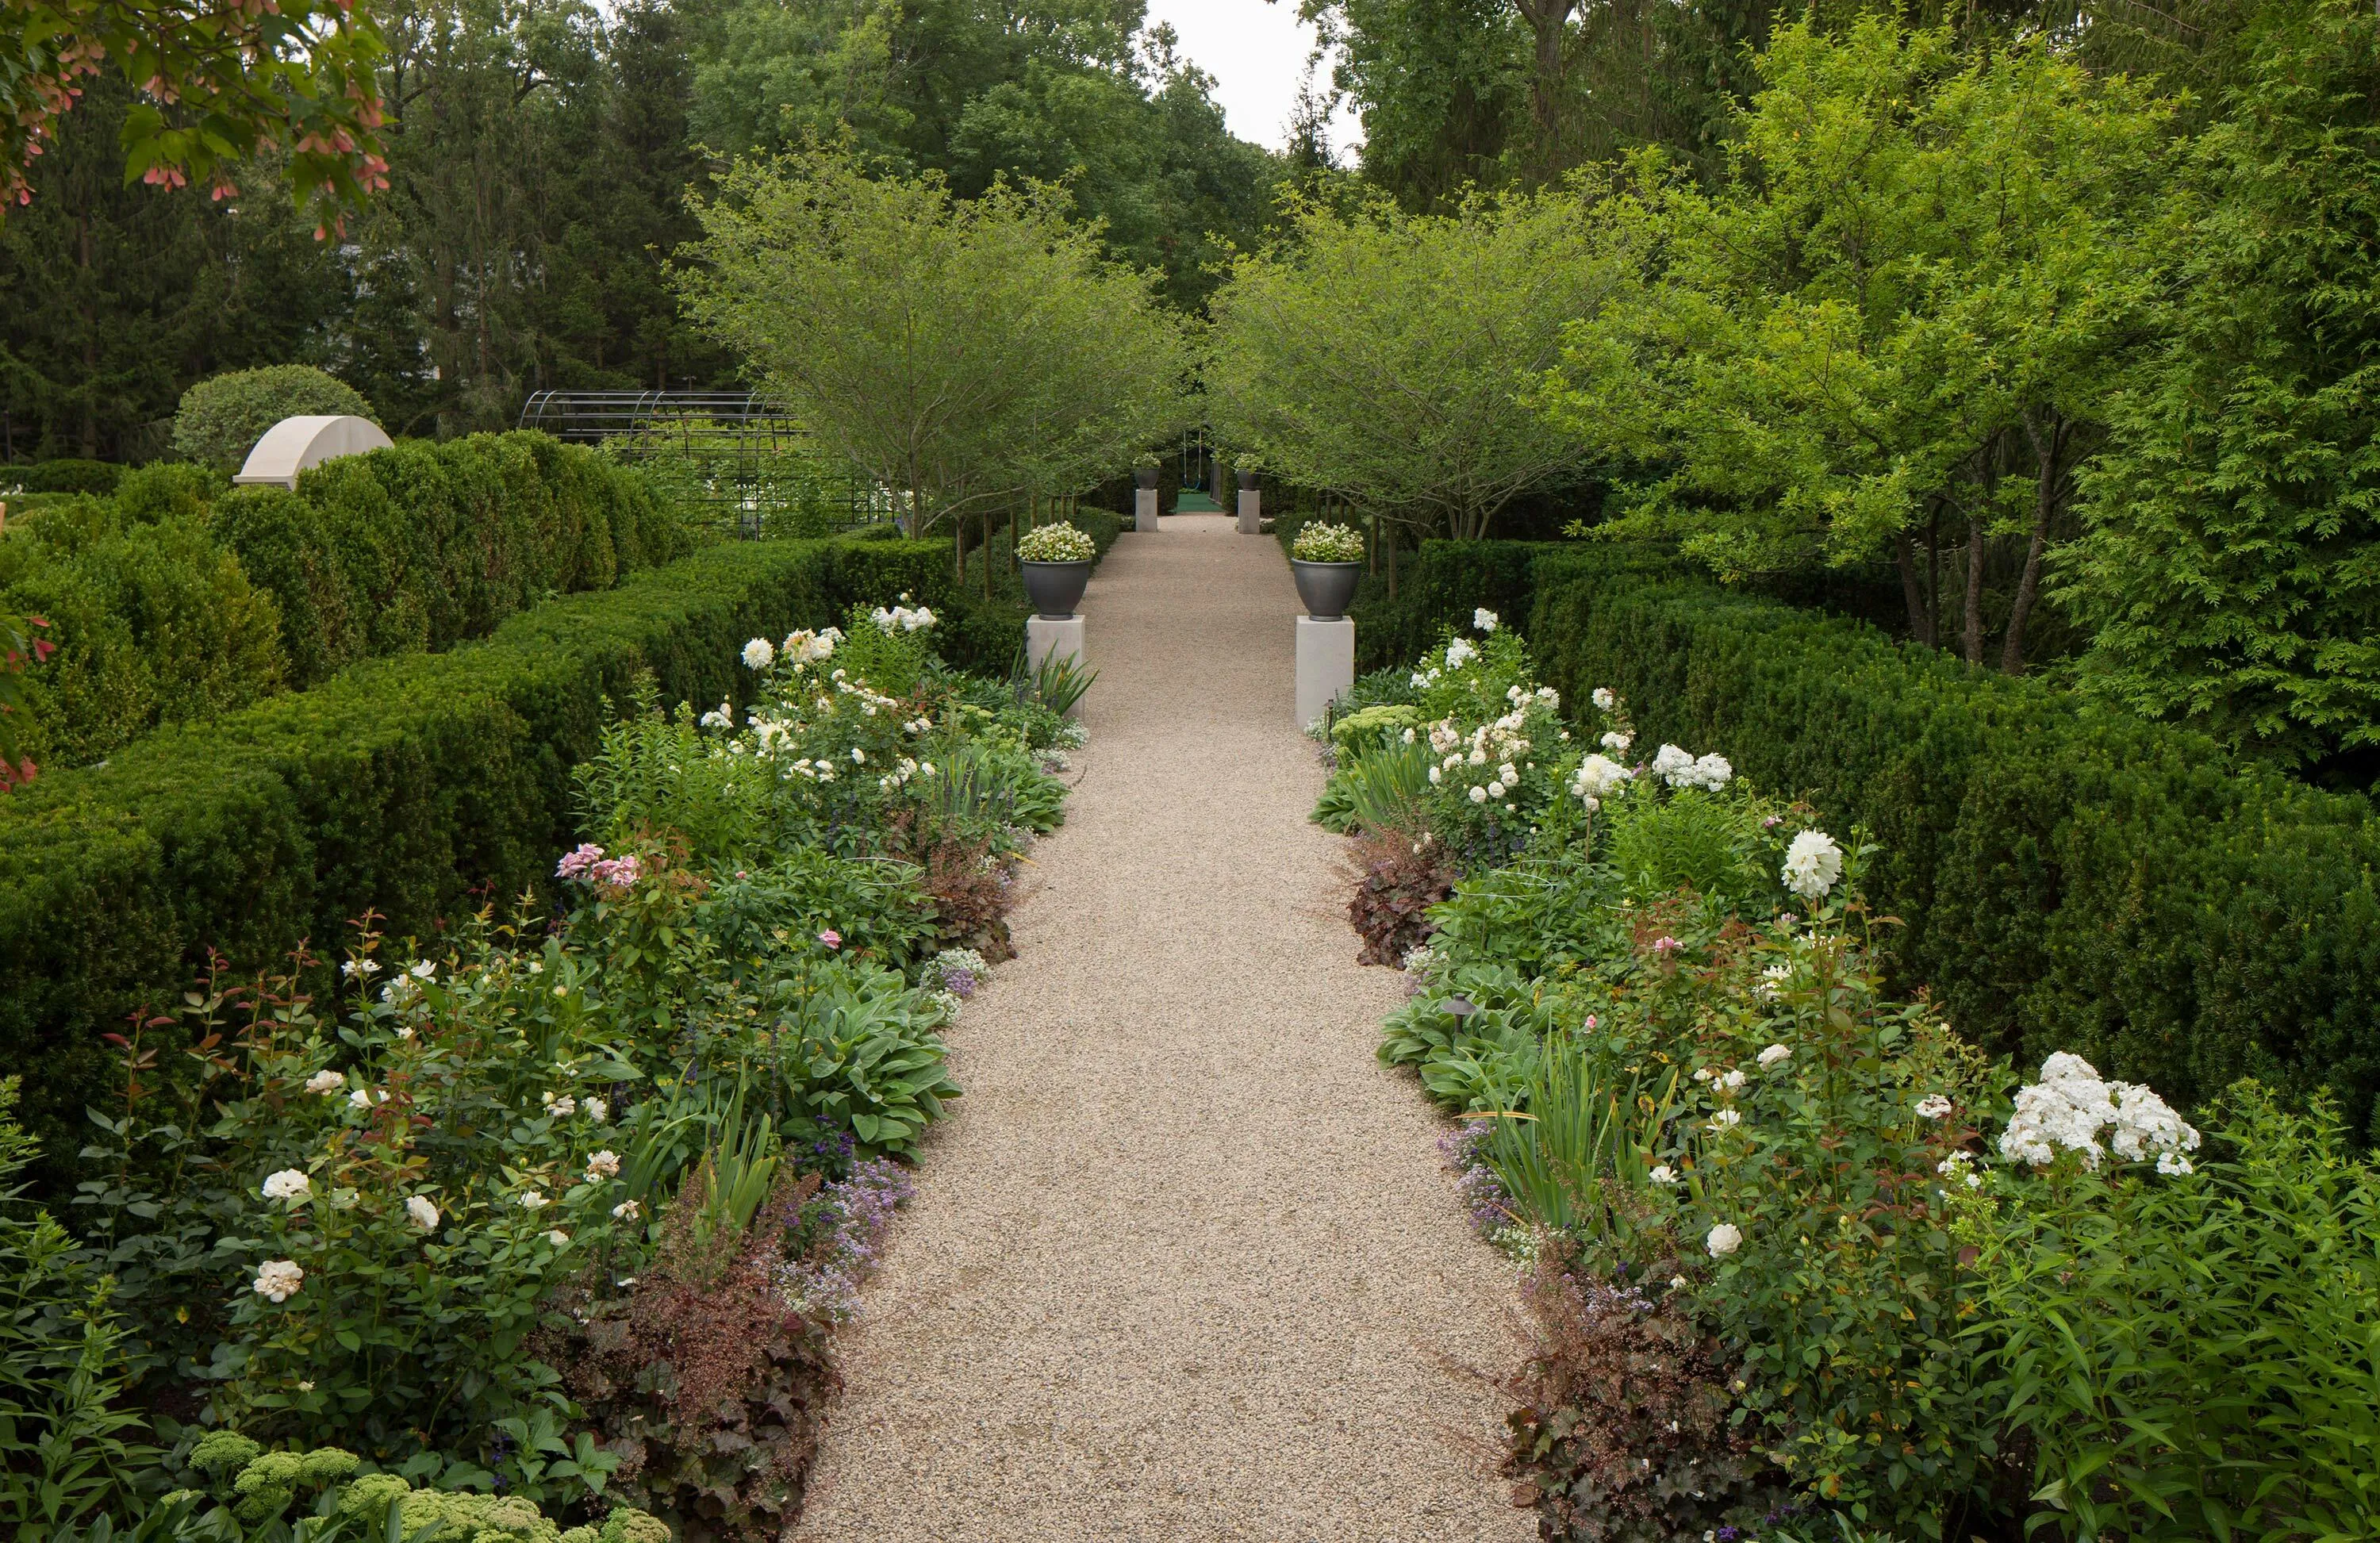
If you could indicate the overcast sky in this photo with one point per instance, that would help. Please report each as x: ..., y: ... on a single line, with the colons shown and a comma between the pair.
x: 1257, y: 52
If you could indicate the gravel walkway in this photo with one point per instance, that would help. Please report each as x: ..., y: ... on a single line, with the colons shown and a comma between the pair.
x: 1183, y: 1264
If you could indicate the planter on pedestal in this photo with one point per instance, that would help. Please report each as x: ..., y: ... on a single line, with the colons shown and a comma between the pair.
x: 1056, y: 589
x: 1143, y: 499
x: 1326, y: 587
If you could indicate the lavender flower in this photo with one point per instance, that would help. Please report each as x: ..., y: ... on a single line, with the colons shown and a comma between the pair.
x: 825, y: 1282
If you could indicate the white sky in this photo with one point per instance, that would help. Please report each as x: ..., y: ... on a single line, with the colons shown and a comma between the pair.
x: 1257, y: 52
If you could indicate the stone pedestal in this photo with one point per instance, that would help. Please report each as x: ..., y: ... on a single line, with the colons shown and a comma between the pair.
x: 1251, y: 511
x: 1326, y: 665
x: 1144, y: 509
x: 1044, y: 636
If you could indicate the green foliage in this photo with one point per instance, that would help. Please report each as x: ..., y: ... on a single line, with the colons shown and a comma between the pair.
x: 67, y: 1446
x: 2225, y: 571
x: 396, y: 786
x: 1319, y: 344
x: 2066, y: 879
x: 65, y: 476
x: 176, y: 603
x: 2193, y: 1357
x: 959, y: 353
x: 222, y: 417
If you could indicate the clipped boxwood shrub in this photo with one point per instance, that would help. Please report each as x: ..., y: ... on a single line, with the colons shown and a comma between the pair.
x: 92, y: 477
x: 2061, y: 878
x: 221, y: 418
x: 409, y: 785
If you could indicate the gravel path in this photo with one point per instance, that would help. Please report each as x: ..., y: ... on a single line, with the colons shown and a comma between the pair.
x: 1183, y: 1264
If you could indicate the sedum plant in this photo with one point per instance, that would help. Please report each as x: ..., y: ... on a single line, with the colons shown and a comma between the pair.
x: 1327, y: 543
x: 1056, y: 543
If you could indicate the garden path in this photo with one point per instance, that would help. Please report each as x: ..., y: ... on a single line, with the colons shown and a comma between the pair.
x: 1183, y: 1264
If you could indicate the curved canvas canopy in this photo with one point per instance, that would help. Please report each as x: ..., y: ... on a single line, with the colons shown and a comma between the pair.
x: 294, y: 443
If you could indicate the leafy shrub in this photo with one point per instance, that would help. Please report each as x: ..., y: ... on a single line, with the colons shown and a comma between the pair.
x: 2066, y: 879
x: 1403, y: 877
x: 2192, y: 1357
x: 398, y: 786
x: 709, y: 1389
x: 65, y: 476
x: 221, y: 418
x: 1623, y: 1433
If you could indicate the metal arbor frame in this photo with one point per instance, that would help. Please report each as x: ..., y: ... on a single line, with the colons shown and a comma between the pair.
x: 737, y: 456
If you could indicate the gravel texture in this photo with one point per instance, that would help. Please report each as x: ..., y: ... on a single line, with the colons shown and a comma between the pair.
x: 1183, y: 1264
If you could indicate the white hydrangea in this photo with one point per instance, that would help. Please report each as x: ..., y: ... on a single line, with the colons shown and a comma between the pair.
x: 278, y: 1280
x: 290, y: 1183
x: 327, y: 1082
x: 2069, y: 1108
x: 1813, y: 864
x: 422, y: 1213
x: 1460, y: 652
x: 1483, y: 619
x: 759, y: 653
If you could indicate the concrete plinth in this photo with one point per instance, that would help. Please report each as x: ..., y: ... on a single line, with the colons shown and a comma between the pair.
x: 1144, y: 509
x: 1044, y: 636
x: 1326, y: 665
x: 1251, y: 511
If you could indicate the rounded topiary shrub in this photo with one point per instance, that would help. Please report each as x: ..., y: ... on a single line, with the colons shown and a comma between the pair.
x: 221, y: 420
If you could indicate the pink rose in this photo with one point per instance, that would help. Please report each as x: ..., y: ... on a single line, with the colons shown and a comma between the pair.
x: 831, y: 938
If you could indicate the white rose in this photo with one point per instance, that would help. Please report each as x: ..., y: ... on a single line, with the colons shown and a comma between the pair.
x: 558, y: 1237
x: 1664, y: 1174
x: 603, y: 1166
x: 279, y: 1279
x: 327, y: 1082
x: 626, y: 1210
x: 290, y: 1184
x: 1478, y: 795
x: 424, y: 1215
x: 1723, y: 1240
x: 359, y: 1099
x: 531, y: 1200
x: 1933, y: 1106
x: 599, y: 1112
x: 1774, y: 1054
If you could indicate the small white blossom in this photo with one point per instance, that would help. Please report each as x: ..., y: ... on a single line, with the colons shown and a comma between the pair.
x: 290, y: 1183
x: 759, y: 655
x: 1726, y: 1119
x: 599, y: 1112
x: 422, y: 1213
x: 359, y: 1099
x: 1617, y: 743
x: 1664, y: 1174
x: 2173, y: 1164
x: 1483, y: 619
x: 1723, y: 1240
x: 1733, y: 1081
x: 626, y: 1210
x: 1478, y: 795
x: 603, y: 1166
x: 1459, y: 653
x: 327, y: 1082
x: 1933, y: 1106
x: 1598, y: 777
x: 1604, y: 700
x: 1775, y: 1054
x: 1494, y: 790
x: 355, y: 967
x: 531, y: 1200
x: 421, y: 969
x: 278, y: 1280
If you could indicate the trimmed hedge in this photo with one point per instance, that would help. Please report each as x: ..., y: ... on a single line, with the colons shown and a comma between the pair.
x: 407, y: 786
x: 90, y: 477
x: 2064, y: 878
x: 178, y: 598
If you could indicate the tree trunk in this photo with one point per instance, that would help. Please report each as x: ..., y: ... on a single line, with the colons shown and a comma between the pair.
x: 1392, y: 564
x: 2049, y: 462
x: 1912, y: 593
x: 1548, y: 22
x: 1975, y: 608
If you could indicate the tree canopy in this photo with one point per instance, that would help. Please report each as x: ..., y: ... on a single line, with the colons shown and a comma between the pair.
x: 961, y: 352
x: 1383, y: 354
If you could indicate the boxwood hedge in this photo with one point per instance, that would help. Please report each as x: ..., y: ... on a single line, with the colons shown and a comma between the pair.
x: 2062, y: 878
x: 406, y: 784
